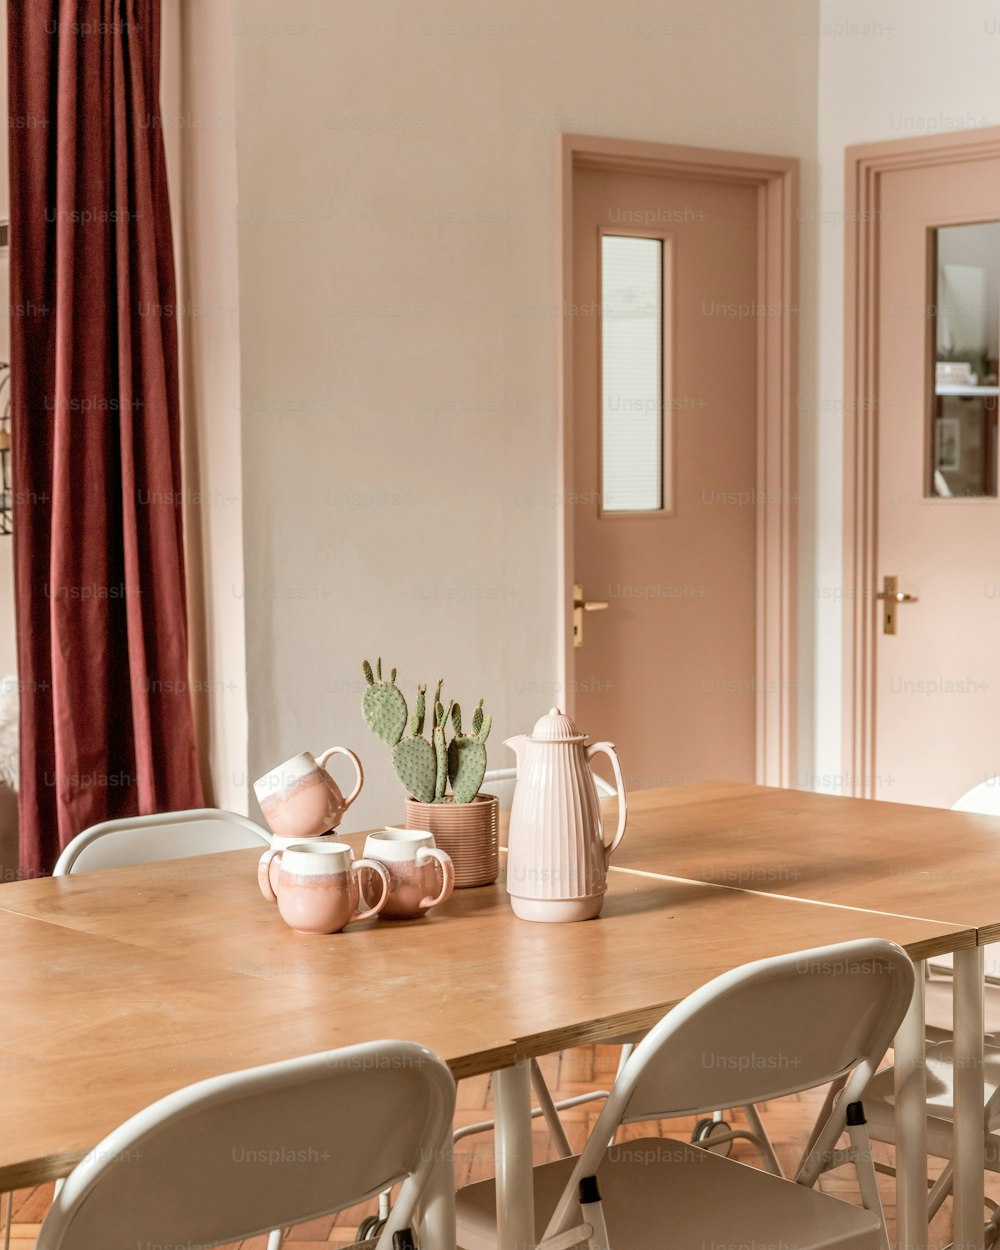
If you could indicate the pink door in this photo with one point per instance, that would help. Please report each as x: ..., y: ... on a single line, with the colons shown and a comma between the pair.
x: 937, y: 650
x: 664, y: 471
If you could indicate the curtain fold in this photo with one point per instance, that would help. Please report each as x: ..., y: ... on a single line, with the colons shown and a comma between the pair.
x: 106, y: 719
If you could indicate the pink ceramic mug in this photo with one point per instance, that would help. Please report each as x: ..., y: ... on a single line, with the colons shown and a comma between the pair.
x: 413, y: 863
x: 315, y: 885
x: 300, y: 799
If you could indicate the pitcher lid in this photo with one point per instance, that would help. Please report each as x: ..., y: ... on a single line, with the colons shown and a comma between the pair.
x: 555, y: 726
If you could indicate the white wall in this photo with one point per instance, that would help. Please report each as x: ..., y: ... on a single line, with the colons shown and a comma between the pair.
x: 888, y: 69
x: 199, y: 120
x: 398, y: 277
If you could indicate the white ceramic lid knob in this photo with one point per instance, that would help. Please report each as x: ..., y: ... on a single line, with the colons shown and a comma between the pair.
x: 555, y: 726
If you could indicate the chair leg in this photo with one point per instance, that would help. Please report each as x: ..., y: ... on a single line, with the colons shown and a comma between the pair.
x: 829, y: 1102
x: 763, y: 1141
x: 864, y: 1164
x: 275, y: 1239
x: 939, y: 1191
x: 9, y: 1206
x: 548, y: 1107
x: 992, y: 1230
x: 572, y: 1239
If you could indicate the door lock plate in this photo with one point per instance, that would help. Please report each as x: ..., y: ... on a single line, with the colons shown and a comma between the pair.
x: 892, y: 597
x: 581, y: 605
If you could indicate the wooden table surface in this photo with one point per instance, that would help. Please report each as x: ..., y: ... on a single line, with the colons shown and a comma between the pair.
x: 121, y: 986
x: 892, y: 857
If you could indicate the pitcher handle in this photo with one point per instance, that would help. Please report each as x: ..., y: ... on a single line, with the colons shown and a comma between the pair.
x: 357, y: 768
x: 608, y: 748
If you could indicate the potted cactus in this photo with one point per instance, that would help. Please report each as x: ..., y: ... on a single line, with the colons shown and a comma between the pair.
x: 464, y: 821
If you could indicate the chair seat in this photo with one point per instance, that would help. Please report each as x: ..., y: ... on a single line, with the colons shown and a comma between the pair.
x: 938, y: 1008
x: 695, y: 1199
x: 880, y: 1103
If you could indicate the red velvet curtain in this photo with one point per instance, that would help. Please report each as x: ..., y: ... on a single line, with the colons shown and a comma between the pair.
x: 106, y: 719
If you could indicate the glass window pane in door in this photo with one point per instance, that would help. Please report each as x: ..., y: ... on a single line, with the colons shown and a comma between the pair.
x: 631, y: 374
x: 965, y: 309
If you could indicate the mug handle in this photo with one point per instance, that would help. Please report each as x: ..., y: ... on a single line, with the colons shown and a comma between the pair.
x: 608, y: 748
x: 357, y: 766
x: 447, y: 868
x: 381, y: 870
x: 264, y: 874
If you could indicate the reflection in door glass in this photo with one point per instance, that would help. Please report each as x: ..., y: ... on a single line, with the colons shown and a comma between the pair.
x: 632, y: 374
x: 965, y: 306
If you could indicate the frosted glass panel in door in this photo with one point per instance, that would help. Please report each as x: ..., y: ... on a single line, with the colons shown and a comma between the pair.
x: 631, y: 374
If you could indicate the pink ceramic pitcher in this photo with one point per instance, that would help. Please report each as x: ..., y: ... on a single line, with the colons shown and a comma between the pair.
x: 557, y: 860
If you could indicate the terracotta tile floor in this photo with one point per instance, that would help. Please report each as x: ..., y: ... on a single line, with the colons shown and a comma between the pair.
x: 788, y: 1122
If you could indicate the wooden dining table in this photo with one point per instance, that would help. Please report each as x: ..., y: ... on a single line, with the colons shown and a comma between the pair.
x: 887, y: 857
x: 123, y: 985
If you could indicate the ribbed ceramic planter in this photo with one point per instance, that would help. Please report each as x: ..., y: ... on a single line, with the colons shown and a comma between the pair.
x: 468, y: 832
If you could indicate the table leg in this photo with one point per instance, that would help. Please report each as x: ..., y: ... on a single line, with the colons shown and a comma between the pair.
x: 969, y: 1099
x: 515, y: 1191
x: 911, y: 1124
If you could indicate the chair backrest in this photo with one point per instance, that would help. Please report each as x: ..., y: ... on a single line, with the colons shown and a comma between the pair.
x: 252, y: 1151
x: 169, y: 835
x: 984, y: 798
x: 762, y: 1031
x: 501, y: 782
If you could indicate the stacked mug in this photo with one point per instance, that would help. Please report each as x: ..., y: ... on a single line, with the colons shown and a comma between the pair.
x: 312, y: 876
x: 300, y: 800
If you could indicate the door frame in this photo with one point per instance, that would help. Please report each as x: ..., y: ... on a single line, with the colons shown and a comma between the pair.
x: 777, y: 181
x: 865, y: 166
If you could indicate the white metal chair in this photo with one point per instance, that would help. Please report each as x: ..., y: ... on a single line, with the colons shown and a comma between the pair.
x: 880, y: 1108
x: 880, y: 1102
x: 984, y: 799
x: 146, y: 840
x: 766, y: 1030
x: 166, y: 835
x: 236, y: 1155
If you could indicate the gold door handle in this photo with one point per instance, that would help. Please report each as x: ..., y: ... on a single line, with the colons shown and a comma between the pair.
x: 891, y: 595
x: 581, y: 605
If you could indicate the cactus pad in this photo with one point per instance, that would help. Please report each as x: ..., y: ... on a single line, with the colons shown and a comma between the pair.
x: 416, y: 767
x: 440, y: 760
x: 383, y: 706
x: 466, y: 767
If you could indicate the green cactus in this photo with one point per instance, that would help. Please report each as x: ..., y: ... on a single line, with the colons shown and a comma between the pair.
x: 415, y: 762
x: 426, y: 767
x: 417, y: 722
x: 383, y: 705
x: 467, y: 754
x: 441, y: 715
